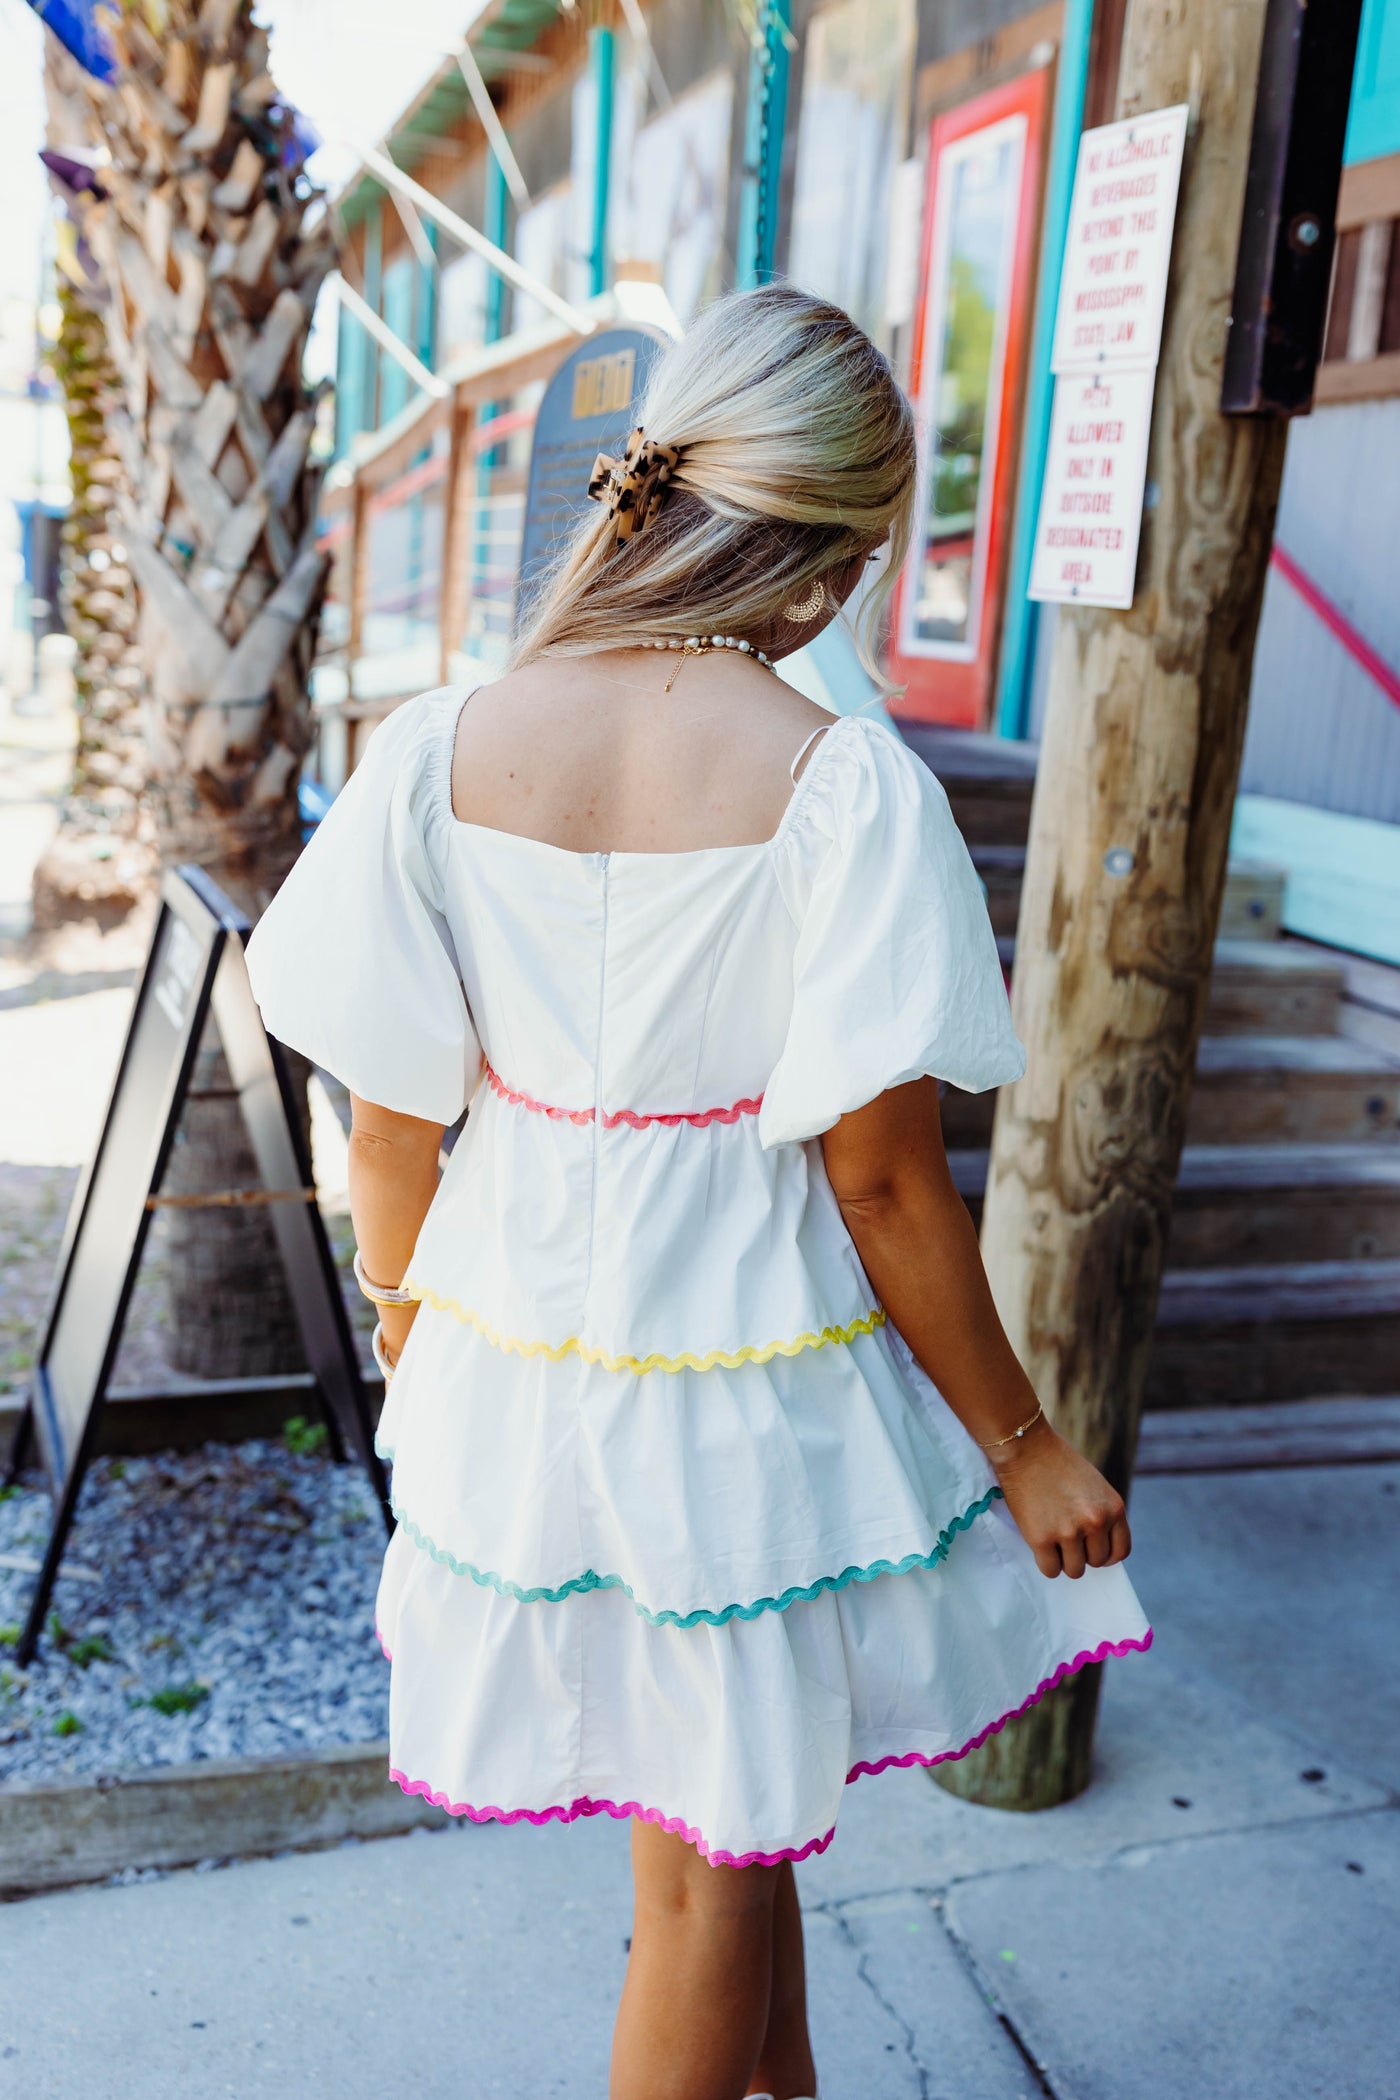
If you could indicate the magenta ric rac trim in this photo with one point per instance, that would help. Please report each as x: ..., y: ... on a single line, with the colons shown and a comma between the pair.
x: 587, y: 1806
x: 611, y: 1119
x: 1047, y: 1684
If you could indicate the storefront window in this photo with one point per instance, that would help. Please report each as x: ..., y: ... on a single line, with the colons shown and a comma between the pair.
x: 856, y: 72
x: 670, y: 179
x: 977, y: 202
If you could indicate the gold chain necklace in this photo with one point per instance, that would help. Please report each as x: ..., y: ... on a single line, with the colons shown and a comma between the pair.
x: 704, y: 645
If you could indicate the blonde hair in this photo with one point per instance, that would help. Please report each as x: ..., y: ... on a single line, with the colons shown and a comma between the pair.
x: 796, y: 454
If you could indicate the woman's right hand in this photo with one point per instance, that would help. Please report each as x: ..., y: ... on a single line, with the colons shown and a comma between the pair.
x: 1063, y: 1507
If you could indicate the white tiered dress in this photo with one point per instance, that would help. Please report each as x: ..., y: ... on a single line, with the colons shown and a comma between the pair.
x: 683, y: 1531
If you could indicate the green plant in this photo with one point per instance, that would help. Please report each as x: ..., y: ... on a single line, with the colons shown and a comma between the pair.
x: 9, y: 1636
x: 93, y: 1648
x: 302, y: 1438
x: 67, y: 1724
x: 9, y: 1491
x: 179, y: 1698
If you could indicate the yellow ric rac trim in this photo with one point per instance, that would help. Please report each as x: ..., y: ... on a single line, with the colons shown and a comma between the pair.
x: 730, y: 1359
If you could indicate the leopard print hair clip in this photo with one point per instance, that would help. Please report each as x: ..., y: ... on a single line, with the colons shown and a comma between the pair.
x: 633, y: 487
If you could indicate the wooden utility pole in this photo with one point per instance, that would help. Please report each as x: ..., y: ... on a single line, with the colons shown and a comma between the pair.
x: 1126, y: 865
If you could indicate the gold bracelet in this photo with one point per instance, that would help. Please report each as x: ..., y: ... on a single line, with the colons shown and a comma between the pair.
x: 997, y: 1442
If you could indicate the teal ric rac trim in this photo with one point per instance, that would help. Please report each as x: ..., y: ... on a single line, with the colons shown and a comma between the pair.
x: 579, y: 1584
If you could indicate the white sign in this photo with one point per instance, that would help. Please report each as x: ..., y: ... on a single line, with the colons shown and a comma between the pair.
x: 1086, y: 540
x: 1113, y: 284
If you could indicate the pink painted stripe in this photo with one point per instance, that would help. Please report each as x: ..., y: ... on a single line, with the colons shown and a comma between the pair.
x: 610, y: 1119
x: 1336, y: 622
x: 587, y: 1806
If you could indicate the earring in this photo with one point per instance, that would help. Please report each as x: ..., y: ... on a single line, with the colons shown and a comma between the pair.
x: 809, y: 607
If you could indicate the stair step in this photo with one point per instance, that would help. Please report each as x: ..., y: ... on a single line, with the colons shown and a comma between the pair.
x: 1256, y: 987
x: 1001, y: 869
x: 1289, y: 1331
x: 1252, y: 908
x: 1259, y: 1204
x: 1256, y: 1089
x: 1294, y: 1290
x: 1291, y: 1089
x: 1250, y: 912
x: 1263, y: 988
x: 1346, y: 1429
x: 1239, y: 1205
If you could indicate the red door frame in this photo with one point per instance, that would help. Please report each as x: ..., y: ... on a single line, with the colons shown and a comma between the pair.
x: 956, y: 690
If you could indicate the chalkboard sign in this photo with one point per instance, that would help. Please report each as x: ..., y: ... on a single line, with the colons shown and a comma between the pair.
x: 590, y: 406
x: 195, y: 965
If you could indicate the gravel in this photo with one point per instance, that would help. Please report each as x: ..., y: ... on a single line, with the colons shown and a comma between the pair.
x: 234, y: 1588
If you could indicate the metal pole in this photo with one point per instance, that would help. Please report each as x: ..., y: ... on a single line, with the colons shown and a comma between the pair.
x: 383, y: 334
x: 496, y: 210
x: 600, y: 43
x: 368, y: 418
x: 496, y: 233
x: 763, y: 146
x: 636, y: 23
x: 491, y: 124
x: 467, y: 235
x: 1019, y: 621
x: 415, y: 229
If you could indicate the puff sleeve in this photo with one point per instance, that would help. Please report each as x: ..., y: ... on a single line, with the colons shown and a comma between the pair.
x: 353, y: 963
x: 895, y: 973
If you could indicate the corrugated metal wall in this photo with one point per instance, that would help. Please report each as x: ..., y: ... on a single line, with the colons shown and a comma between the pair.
x: 1320, y: 730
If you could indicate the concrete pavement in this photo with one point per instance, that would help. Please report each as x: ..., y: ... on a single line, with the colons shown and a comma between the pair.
x: 1217, y: 1918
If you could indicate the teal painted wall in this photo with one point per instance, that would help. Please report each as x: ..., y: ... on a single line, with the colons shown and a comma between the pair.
x: 1374, y: 128
x: 351, y: 346
x: 397, y: 309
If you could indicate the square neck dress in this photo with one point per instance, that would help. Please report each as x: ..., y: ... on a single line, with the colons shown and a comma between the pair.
x: 683, y: 1531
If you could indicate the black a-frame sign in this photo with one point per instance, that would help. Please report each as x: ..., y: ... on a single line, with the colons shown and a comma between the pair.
x: 195, y: 965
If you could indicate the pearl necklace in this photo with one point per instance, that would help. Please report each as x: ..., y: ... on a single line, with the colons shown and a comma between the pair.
x: 701, y: 645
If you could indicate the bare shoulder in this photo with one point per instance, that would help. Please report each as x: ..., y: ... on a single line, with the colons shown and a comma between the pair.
x: 592, y: 753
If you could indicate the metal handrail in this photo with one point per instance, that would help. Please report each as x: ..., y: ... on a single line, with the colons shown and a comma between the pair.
x: 1337, y: 624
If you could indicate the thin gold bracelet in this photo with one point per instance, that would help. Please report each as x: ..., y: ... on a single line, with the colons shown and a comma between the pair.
x: 997, y: 1442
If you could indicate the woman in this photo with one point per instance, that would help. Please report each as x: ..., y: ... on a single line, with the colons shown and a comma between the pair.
x: 717, y: 1482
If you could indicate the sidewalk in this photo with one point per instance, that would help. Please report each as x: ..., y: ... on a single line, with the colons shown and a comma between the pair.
x: 1218, y: 1918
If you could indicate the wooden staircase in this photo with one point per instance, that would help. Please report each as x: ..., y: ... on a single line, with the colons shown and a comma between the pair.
x: 1283, y: 1269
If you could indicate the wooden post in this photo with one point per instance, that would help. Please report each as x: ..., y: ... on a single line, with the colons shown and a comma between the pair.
x: 359, y: 571
x: 1126, y: 865
x: 459, y: 504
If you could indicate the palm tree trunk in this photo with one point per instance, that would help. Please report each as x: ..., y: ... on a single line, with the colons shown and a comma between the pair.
x: 102, y: 860
x: 214, y: 246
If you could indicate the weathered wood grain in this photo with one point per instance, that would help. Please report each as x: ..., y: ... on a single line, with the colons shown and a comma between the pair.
x: 1141, y: 749
x: 214, y: 271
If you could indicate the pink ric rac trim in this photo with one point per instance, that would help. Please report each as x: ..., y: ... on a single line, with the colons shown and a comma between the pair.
x: 611, y: 1119
x: 586, y: 1806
